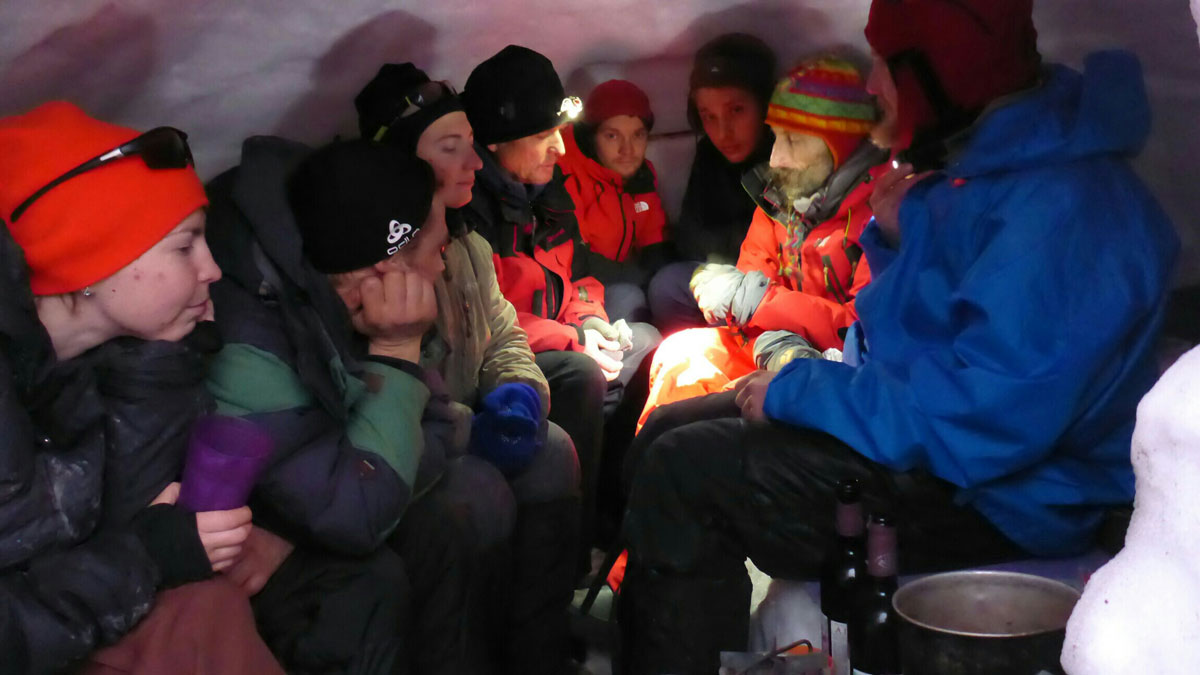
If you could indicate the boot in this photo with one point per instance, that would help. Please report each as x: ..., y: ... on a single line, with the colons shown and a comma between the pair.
x: 544, y: 543
x: 680, y: 624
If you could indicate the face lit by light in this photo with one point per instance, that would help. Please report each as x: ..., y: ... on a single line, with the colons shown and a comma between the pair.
x: 621, y: 144
x: 164, y: 292
x: 732, y: 120
x: 800, y: 162
x: 449, y: 146
x: 881, y: 84
x: 531, y: 159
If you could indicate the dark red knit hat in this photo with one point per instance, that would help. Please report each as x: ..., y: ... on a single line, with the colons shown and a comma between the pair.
x: 617, y: 97
x: 90, y: 226
x: 979, y: 50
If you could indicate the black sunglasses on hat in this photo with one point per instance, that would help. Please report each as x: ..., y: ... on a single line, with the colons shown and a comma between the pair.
x: 425, y: 95
x: 159, y: 148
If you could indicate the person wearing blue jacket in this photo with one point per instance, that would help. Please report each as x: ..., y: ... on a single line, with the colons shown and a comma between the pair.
x: 989, y: 391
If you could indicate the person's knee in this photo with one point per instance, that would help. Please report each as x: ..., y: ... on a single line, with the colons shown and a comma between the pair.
x: 479, y: 495
x: 554, y: 472
x: 578, y: 375
x: 626, y: 301
x: 384, y: 569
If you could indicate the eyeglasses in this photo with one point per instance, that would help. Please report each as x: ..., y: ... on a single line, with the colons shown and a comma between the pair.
x: 159, y: 148
x: 425, y: 95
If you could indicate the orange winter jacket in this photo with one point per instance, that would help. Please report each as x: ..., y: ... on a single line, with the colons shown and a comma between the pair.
x: 814, y: 298
x: 617, y: 217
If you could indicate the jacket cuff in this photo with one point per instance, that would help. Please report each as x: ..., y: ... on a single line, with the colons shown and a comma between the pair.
x: 170, y: 536
x: 580, y: 337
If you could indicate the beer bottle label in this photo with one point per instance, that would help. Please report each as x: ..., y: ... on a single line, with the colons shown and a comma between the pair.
x: 839, y: 647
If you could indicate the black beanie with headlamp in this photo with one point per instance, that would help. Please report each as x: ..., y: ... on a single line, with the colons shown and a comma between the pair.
x: 515, y: 94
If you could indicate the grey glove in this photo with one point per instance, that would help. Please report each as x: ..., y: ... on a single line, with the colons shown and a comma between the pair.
x: 619, y: 332
x: 774, y: 349
x: 624, y: 334
x: 749, y: 295
x: 714, y: 287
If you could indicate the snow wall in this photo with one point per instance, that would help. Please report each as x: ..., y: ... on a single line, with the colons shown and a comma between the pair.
x: 226, y: 69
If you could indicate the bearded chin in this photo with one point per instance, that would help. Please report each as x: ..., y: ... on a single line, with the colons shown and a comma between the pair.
x: 800, y: 183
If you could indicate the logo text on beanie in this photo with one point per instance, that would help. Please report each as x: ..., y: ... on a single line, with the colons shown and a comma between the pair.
x: 398, y: 235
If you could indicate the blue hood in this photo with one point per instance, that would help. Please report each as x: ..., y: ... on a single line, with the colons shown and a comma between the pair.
x: 1070, y: 116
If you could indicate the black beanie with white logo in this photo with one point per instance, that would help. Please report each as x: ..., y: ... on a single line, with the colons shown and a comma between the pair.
x: 357, y: 203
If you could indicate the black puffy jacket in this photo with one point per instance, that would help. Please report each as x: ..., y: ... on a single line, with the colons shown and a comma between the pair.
x: 74, y: 573
x: 716, y: 211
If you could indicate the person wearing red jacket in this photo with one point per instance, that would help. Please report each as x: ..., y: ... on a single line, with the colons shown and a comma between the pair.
x: 615, y: 190
x: 800, y: 267
x: 517, y: 107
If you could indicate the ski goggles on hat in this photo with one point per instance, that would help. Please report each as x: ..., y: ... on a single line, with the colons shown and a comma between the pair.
x: 426, y: 95
x: 159, y: 148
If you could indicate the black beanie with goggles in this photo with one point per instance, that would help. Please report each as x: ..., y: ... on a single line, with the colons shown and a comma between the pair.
x: 357, y: 203
x: 400, y: 102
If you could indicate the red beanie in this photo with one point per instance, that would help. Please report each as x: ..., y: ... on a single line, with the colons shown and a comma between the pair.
x: 617, y: 97
x: 979, y: 49
x: 90, y: 226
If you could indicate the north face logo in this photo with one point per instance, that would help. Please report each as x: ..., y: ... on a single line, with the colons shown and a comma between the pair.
x: 398, y: 235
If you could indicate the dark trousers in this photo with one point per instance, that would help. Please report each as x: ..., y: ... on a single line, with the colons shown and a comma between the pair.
x: 438, y: 547
x: 327, y: 613
x: 707, y: 494
x: 627, y: 301
x: 599, y: 416
x: 671, y: 301
x: 577, y: 394
x: 525, y: 530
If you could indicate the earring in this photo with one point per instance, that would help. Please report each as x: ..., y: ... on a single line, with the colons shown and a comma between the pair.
x: 87, y: 291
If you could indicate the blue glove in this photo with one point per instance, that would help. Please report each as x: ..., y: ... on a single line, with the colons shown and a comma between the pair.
x: 507, y: 430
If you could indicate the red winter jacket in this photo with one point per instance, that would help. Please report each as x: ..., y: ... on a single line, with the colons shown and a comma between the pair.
x: 815, y: 301
x: 534, y: 244
x: 617, y: 217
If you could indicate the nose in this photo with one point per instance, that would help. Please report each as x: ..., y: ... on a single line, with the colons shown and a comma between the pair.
x: 474, y: 163
x: 207, y: 270
x: 556, y: 143
x: 726, y: 127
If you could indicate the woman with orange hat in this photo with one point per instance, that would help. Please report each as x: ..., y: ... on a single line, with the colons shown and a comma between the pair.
x: 104, y: 274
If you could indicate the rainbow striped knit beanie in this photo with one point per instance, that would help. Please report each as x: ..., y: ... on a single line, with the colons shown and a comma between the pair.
x: 824, y: 97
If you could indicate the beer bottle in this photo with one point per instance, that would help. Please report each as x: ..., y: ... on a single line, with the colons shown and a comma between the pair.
x: 874, y: 638
x: 842, y: 569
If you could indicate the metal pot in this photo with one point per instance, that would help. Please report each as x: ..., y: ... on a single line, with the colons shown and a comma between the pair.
x: 983, y: 623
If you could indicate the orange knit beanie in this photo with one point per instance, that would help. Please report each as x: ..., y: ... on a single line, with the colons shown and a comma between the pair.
x: 92, y: 225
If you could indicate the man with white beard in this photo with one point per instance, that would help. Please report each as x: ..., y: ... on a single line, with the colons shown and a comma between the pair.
x: 1020, y: 271
x: 800, y: 267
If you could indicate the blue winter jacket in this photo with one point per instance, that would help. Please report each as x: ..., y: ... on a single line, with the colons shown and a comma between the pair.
x: 1011, y: 336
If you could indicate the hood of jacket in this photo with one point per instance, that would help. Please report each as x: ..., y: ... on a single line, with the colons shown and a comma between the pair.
x: 255, y: 241
x: 1069, y: 116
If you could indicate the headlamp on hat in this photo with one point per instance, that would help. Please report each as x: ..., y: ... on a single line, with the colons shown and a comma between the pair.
x: 571, y: 107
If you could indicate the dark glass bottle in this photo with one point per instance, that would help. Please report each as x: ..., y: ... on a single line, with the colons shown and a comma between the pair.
x: 842, y: 571
x: 874, y: 639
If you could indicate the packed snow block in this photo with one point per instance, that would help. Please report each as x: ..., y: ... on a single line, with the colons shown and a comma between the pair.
x: 1140, y: 613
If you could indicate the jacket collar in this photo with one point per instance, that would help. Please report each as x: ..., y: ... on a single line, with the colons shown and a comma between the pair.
x: 827, y: 201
